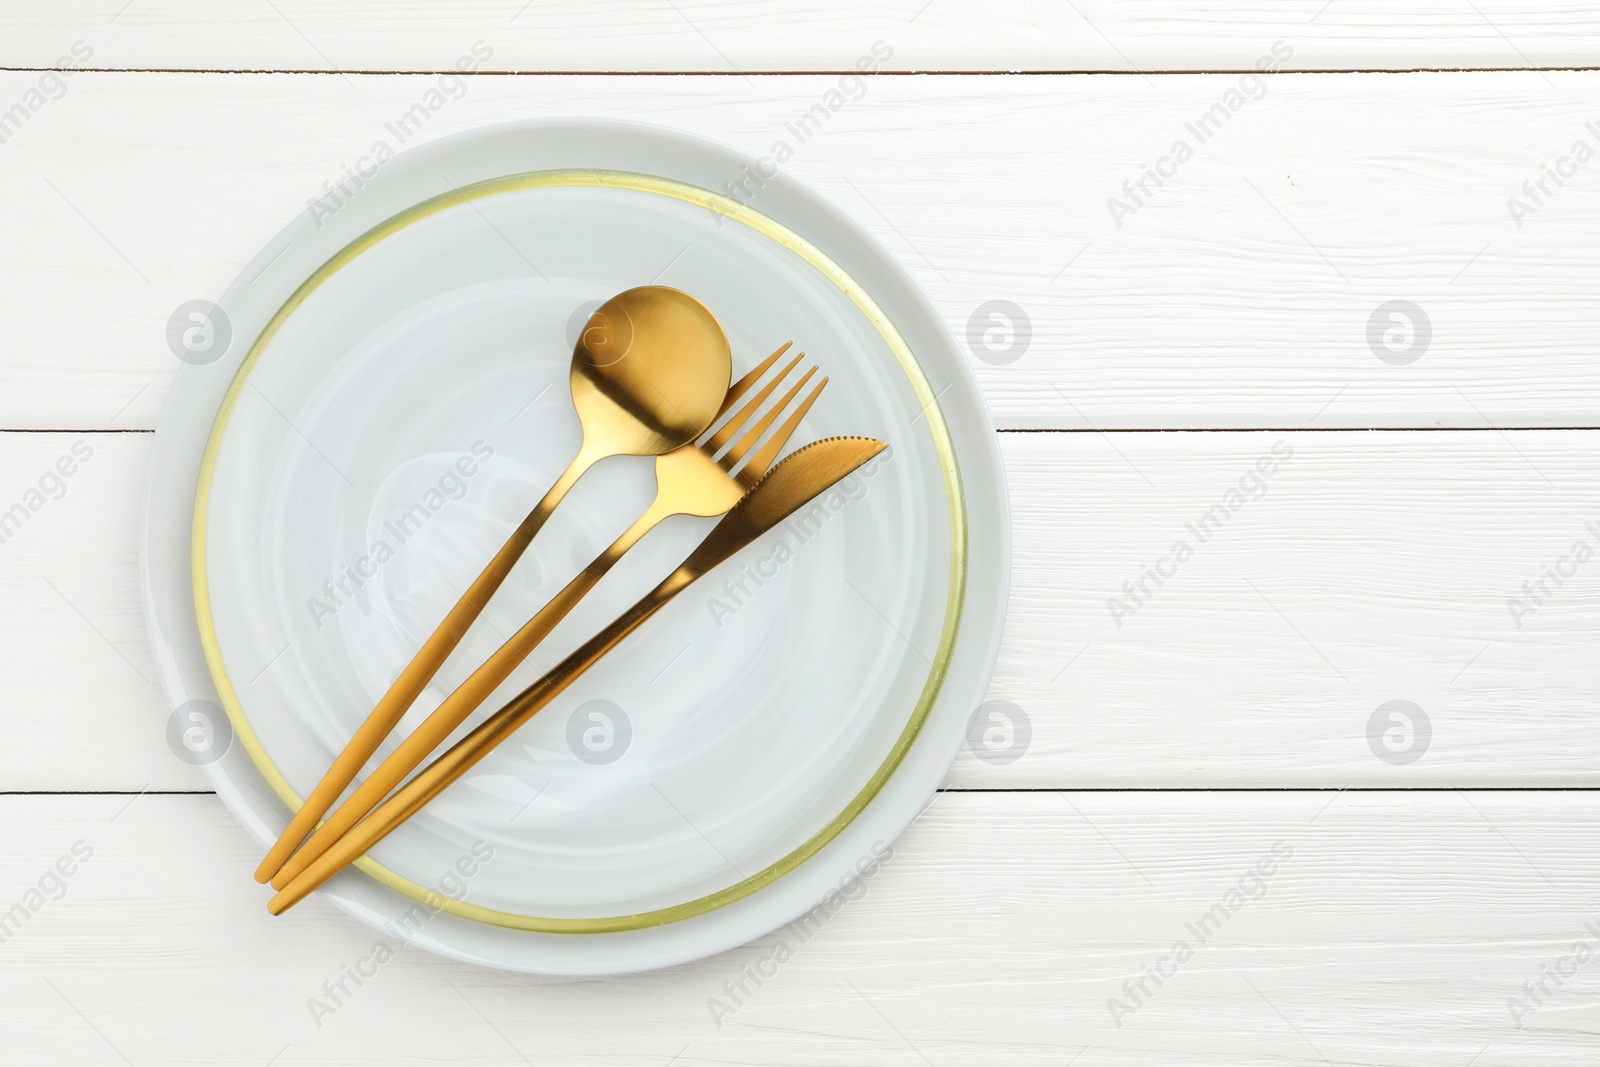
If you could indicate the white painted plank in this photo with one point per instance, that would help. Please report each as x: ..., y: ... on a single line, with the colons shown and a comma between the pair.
x: 1239, y: 295
x: 754, y: 35
x: 1367, y: 568
x: 1374, y: 567
x: 996, y: 933
x: 80, y: 708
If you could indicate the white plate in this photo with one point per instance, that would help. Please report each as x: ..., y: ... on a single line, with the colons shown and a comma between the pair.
x: 393, y: 399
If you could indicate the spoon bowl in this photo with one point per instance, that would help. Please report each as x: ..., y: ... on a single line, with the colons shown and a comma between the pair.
x: 633, y: 393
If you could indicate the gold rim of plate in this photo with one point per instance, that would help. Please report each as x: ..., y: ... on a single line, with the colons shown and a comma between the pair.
x: 762, y: 224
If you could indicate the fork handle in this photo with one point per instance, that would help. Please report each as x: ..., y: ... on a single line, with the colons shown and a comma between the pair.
x: 464, y: 754
x: 420, y: 671
x: 437, y: 727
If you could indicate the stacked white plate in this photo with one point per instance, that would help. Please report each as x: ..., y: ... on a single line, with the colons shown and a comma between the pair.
x: 382, y: 396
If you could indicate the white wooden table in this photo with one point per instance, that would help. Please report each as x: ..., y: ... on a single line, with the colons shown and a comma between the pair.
x: 1425, y: 897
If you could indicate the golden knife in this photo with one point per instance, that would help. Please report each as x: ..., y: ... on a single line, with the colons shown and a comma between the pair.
x: 793, y: 482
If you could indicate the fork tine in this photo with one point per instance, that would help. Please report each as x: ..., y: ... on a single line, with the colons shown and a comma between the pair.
x: 763, y: 459
x: 738, y: 419
x: 737, y: 450
x: 738, y: 388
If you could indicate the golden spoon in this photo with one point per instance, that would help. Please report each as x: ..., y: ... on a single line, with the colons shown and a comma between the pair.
x: 649, y: 373
x: 793, y: 482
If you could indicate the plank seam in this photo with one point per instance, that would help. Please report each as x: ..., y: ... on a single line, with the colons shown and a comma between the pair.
x: 108, y: 792
x: 1051, y: 72
x: 77, y: 429
x: 1295, y: 429
x: 972, y: 789
x: 1069, y: 429
x: 1286, y: 789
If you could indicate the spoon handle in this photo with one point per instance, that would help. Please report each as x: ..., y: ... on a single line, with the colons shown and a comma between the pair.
x: 437, y: 727
x: 464, y: 754
x: 419, y: 672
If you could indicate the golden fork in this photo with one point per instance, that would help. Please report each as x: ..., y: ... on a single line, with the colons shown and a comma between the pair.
x: 792, y: 483
x: 696, y: 479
